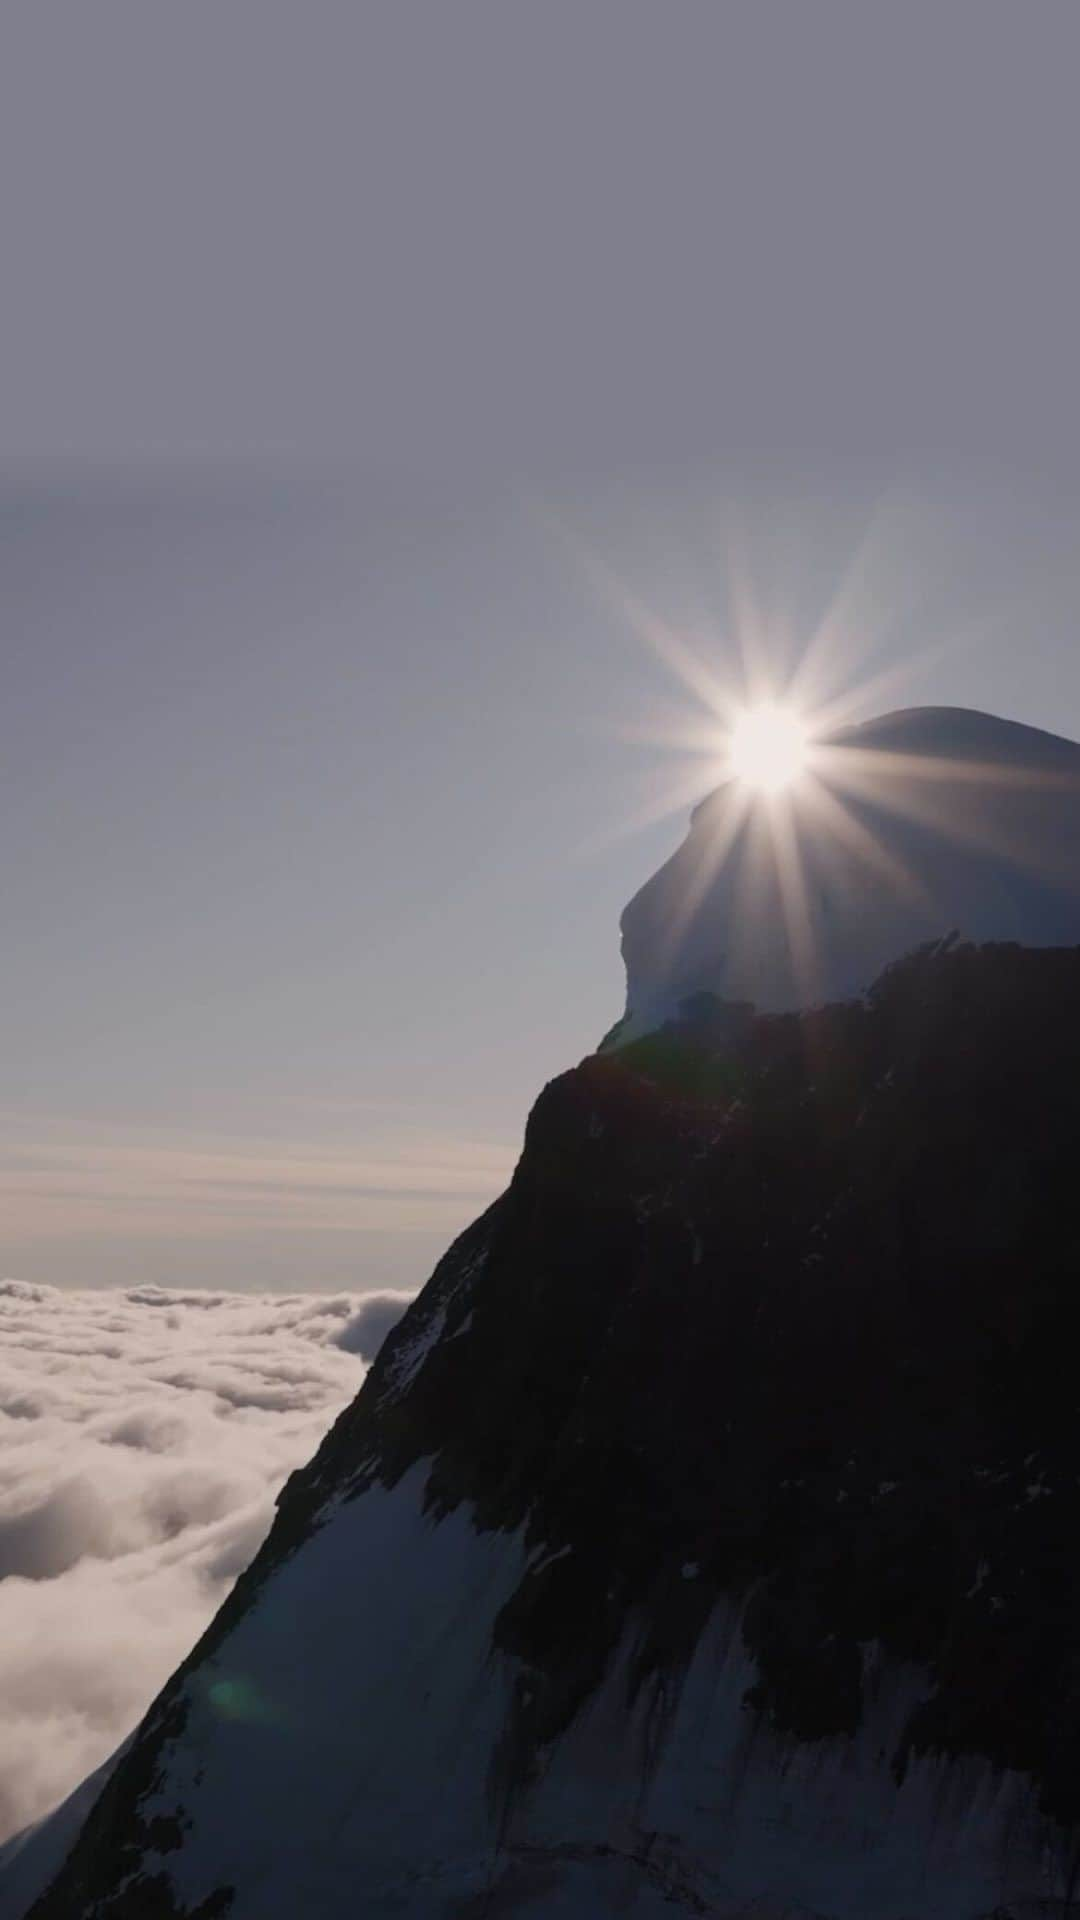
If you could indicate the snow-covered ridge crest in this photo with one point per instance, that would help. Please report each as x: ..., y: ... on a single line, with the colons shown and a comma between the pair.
x: 908, y: 828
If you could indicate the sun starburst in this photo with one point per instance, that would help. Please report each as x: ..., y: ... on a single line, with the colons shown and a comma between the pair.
x: 767, y: 748
x: 802, y: 809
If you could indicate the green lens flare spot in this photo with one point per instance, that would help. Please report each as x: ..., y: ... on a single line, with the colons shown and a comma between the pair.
x: 240, y: 1699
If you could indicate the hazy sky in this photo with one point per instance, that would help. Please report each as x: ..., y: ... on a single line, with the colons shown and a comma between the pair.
x: 371, y: 376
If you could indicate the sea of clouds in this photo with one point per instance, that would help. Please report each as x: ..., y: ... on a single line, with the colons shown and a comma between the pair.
x: 143, y: 1436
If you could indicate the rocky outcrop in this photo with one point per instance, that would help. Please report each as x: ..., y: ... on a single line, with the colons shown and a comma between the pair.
x: 709, y: 1529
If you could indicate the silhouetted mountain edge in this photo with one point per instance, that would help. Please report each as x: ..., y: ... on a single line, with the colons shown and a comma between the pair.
x: 779, y: 1308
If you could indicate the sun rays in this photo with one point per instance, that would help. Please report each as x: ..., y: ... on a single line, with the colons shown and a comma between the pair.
x: 799, y: 811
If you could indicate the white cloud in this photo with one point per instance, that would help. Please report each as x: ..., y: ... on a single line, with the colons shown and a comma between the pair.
x: 143, y: 1436
x: 366, y: 1329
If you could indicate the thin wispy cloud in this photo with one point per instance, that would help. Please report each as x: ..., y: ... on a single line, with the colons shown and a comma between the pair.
x: 62, y: 1179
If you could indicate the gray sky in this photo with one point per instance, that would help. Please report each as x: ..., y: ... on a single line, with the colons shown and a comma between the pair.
x: 366, y: 372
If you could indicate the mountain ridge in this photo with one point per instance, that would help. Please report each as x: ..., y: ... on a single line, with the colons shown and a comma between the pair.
x: 650, y: 1413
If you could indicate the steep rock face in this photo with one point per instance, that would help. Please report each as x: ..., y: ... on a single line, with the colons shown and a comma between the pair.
x: 707, y: 1534
x: 913, y: 826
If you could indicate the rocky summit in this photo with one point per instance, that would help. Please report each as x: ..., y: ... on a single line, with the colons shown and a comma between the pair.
x: 705, y: 1539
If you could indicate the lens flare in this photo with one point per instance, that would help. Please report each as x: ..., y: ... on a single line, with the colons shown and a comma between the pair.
x: 767, y: 748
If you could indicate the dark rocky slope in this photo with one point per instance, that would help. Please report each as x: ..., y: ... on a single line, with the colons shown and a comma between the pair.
x: 792, y: 1303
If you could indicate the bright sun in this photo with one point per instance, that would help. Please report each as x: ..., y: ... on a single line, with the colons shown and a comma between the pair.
x: 767, y: 748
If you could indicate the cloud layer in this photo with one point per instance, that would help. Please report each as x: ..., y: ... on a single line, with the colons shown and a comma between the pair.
x: 143, y: 1436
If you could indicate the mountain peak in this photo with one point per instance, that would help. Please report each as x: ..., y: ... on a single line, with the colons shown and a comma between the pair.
x: 902, y: 830
x: 704, y: 1539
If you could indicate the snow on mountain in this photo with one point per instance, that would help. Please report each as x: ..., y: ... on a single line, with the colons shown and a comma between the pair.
x: 706, y: 1538
x: 905, y: 829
